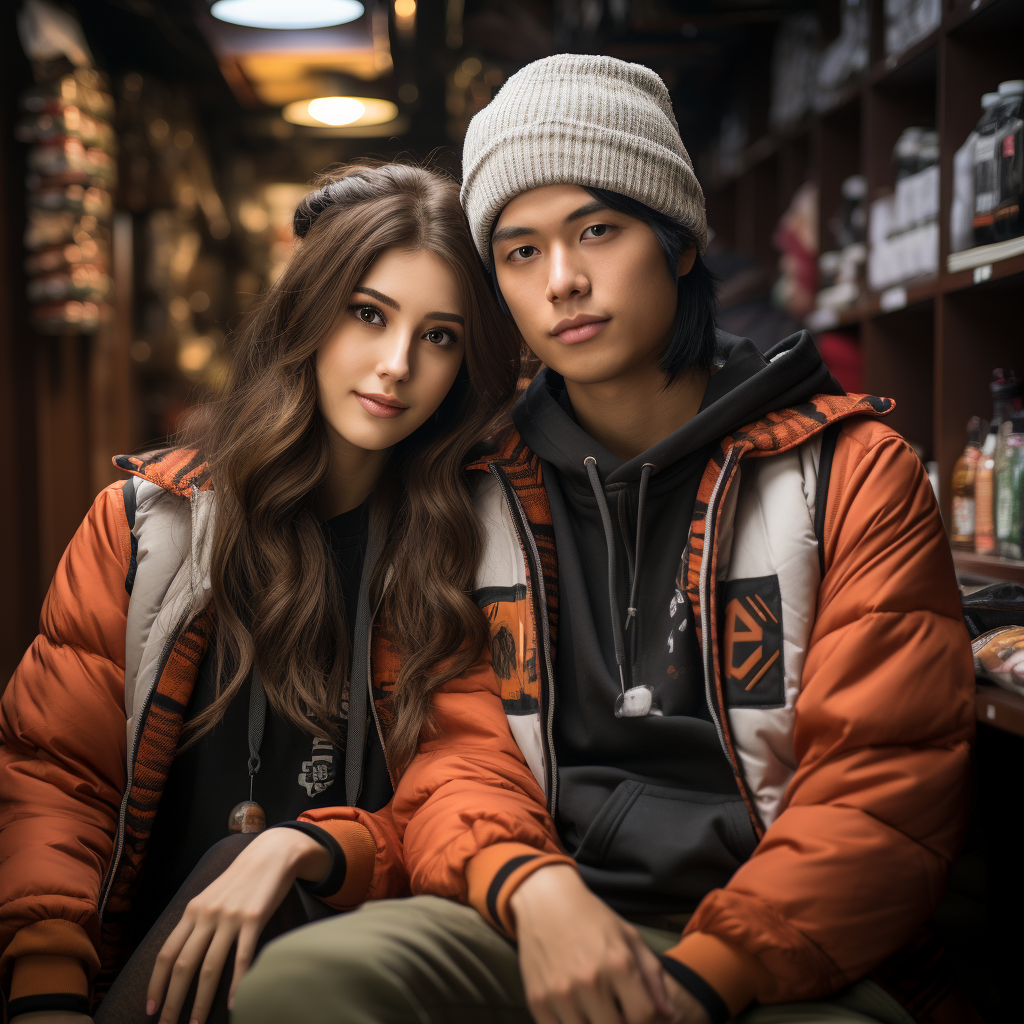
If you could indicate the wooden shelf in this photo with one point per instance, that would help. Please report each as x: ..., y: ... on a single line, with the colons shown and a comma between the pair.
x: 1000, y: 708
x: 988, y: 566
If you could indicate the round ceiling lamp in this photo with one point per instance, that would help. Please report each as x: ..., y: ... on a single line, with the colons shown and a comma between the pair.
x: 293, y: 14
x: 340, y: 111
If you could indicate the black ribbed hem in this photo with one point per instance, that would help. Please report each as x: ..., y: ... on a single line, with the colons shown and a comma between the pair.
x: 698, y: 988
x: 67, y: 1001
x: 335, y: 877
x: 499, y: 880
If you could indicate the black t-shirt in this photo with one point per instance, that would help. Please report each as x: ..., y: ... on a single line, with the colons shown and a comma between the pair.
x: 297, y: 771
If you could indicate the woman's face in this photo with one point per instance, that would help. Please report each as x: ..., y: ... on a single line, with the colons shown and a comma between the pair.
x: 396, y: 352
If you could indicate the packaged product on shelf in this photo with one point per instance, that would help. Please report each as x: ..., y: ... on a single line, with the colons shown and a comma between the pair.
x: 907, y: 21
x: 1009, y: 144
x: 1007, y: 394
x: 794, y: 69
x: 1008, y: 470
x: 847, y: 56
x: 961, y: 213
x: 986, y: 172
x: 962, y: 533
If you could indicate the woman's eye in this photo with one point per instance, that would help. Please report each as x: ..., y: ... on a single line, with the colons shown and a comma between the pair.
x: 440, y: 337
x: 368, y: 314
x: 596, y: 230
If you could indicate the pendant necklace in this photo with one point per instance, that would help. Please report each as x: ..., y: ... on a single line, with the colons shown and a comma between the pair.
x: 248, y: 816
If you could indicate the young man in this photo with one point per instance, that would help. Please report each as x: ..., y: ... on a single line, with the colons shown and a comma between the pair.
x: 726, y: 640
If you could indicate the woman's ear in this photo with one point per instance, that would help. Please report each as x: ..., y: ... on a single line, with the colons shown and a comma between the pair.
x: 686, y: 261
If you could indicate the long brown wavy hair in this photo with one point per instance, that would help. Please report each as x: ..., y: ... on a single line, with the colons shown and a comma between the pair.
x: 275, y: 592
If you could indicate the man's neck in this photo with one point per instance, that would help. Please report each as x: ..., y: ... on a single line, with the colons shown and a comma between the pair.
x: 634, y: 412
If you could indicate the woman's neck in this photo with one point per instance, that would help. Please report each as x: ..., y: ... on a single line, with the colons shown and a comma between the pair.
x: 353, y: 475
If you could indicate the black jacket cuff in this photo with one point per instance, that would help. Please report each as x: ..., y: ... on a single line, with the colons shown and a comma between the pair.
x: 335, y: 877
x: 69, y: 1002
x: 698, y: 988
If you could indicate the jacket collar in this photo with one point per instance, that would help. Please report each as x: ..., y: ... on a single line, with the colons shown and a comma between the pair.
x: 175, y: 469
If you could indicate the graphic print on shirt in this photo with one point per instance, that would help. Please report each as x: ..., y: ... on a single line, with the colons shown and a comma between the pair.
x: 513, y: 656
x: 320, y: 771
x: 751, y: 642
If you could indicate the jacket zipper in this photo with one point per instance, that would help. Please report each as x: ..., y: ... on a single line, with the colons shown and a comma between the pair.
x: 540, y: 612
x: 710, y: 523
x: 373, y: 703
x: 143, y: 714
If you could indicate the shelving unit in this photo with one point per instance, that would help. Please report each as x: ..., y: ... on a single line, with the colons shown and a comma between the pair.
x: 1000, y: 708
x: 929, y: 343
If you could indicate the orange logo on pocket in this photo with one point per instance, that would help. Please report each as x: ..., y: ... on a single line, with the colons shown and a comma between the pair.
x: 746, y: 623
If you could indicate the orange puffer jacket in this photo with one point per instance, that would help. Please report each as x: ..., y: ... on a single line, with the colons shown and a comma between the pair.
x: 84, y: 757
x: 856, y: 784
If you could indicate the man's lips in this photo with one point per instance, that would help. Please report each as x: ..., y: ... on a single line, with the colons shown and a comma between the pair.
x: 579, y: 328
x: 383, y: 406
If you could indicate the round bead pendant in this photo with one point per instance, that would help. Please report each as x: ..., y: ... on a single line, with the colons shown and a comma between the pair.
x: 247, y: 817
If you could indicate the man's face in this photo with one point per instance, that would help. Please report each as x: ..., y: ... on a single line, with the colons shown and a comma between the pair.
x: 588, y: 287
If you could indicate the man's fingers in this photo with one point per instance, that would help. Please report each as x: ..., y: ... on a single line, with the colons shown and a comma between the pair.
x: 211, y: 971
x: 653, y: 975
x: 247, y: 939
x: 598, y: 1003
x: 183, y: 971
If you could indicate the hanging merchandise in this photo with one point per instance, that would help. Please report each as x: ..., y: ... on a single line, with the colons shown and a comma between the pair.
x: 962, y: 535
x: 72, y: 171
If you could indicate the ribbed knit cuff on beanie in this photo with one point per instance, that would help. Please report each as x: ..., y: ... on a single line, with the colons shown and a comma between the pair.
x: 575, y: 119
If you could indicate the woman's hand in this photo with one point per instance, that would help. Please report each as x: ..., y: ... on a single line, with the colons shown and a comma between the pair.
x: 583, y: 964
x: 234, y: 908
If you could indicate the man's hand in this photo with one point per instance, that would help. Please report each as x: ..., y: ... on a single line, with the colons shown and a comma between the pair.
x: 235, y: 907
x: 583, y: 964
x: 685, y: 1009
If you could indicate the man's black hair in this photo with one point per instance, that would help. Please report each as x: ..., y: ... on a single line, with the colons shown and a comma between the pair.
x: 692, y: 344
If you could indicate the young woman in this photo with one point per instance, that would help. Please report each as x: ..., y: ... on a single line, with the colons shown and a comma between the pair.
x: 207, y: 662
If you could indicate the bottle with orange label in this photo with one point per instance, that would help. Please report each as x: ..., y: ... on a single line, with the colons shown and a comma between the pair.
x: 962, y: 534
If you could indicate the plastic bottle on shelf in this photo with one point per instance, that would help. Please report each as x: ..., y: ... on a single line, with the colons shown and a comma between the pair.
x: 962, y: 534
x: 1009, y: 143
x: 986, y: 172
x: 1009, y: 479
x: 1006, y: 400
x: 961, y: 214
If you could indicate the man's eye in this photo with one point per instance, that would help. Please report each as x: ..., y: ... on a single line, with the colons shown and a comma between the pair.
x: 596, y: 231
x: 524, y: 252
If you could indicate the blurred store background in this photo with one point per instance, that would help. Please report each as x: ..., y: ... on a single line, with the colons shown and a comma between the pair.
x: 863, y: 162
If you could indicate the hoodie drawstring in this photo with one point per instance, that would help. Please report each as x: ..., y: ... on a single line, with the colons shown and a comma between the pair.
x: 606, y: 520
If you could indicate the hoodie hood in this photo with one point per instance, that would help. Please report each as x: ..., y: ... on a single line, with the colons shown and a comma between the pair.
x: 747, y: 386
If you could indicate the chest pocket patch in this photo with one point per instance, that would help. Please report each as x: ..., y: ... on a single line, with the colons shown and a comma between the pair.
x: 750, y: 642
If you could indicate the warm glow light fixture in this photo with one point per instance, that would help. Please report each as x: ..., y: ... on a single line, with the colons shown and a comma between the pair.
x: 287, y: 14
x: 340, y: 111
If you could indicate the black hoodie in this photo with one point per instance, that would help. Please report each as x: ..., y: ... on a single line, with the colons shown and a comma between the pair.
x: 648, y: 805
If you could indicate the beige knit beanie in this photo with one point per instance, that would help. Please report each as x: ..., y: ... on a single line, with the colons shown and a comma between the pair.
x: 574, y: 119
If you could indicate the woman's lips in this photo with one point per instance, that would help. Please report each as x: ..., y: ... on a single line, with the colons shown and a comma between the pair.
x: 381, y: 406
x: 581, y: 332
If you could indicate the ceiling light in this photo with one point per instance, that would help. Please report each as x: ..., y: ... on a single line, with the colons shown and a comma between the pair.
x: 339, y: 111
x: 293, y: 14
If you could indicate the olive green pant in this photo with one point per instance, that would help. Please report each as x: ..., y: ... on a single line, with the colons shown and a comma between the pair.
x: 426, y: 960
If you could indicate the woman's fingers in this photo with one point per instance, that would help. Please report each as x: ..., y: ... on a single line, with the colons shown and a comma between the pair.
x: 212, y: 969
x: 184, y: 969
x: 247, y: 939
x: 166, y: 959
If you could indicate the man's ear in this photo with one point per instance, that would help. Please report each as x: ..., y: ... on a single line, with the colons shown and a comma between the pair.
x: 686, y: 261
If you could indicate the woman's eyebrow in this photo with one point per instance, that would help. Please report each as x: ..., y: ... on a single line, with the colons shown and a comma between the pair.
x: 379, y: 296
x: 452, y: 317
